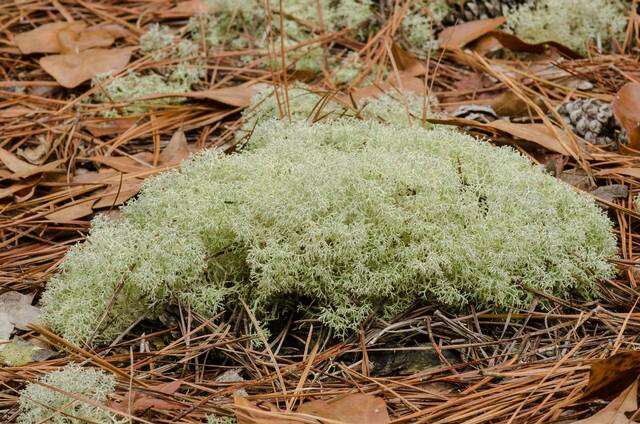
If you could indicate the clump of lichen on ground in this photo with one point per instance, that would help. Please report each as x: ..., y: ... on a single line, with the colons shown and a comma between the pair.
x: 419, y: 25
x: 362, y: 217
x: 39, y: 404
x: 307, y: 105
x: 234, y: 25
x: 183, y: 70
x: 573, y: 23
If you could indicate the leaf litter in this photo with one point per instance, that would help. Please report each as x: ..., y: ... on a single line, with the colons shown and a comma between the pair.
x: 64, y: 159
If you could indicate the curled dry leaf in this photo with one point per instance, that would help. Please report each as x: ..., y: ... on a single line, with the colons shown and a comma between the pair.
x: 539, y: 134
x: 626, y: 109
x: 457, y: 36
x: 43, y: 39
x: 71, y: 70
x: 355, y: 408
x: 72, y: 212
x: 141, y: 401
x: 616, y: 411
x: 608, y: 377
x: 16, y: 311
x: 176, y: 151
x: 239, y: 96
x: 67, y: 37
x: 14, y: 164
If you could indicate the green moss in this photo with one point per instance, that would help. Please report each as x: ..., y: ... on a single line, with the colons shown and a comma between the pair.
x: 574, y: 23
x: 359, y: 216
x: 39, y: 404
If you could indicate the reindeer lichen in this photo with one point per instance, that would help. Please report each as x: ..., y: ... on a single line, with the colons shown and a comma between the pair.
x: 574, y: 23
x: 338, y: 220
x: 39, y: 404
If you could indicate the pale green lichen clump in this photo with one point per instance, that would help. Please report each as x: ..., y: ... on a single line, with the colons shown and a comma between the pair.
x: 337, y: 220
x: 306, y: 105
x: 39, y: 404
x: 419, y: 24
x: 244, y: 25
x: 574, y: 23
x: 160, y: 43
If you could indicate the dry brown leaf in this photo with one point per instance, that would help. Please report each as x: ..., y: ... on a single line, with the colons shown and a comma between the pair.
x: 110, y: 127
x: 608, y: 377
x: 141, y: 401
x: 357, y: 408
x: 176, y: 151
x: 622, y: 170
x: 16, y: 311
x: 14, y: 164
x: 15, y: 112
x: 67, y: 37
x: 36, y: 154
x: 72, y: 41
x: 117, y: 194
x: 407, y: 63
x: 72, y: 213
x: 614, y: 413
x: 44, y: 39
x: 536, y: 133
x: 248, y: 412
x: 457, y: 36
x: 239, y: 96
x: 626, y: 109
x: 515, y: 44
x: 509, y: 104
x: 71, y: 70
x: 189, y: 8
x: 121, y: 163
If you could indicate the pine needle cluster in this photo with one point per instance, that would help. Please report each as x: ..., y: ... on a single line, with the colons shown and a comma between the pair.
x: 39, y: 403
x: 338, y: 220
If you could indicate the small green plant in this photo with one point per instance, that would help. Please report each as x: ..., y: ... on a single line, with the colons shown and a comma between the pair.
x: 39, y: 404
x: 337, y: 220
x: 574, y: 23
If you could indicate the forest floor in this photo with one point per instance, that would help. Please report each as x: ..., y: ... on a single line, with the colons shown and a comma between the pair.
x: 62, y: 161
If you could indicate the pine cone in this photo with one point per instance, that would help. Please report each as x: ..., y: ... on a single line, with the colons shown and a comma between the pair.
x: 593, y: 120
x: 472, y: 10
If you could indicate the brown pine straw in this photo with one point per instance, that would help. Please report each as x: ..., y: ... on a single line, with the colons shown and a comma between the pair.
x: 527, y: 365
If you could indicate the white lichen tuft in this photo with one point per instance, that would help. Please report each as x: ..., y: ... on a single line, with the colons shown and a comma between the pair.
x: 39, y: 404
x: 185, y: 70
x: 573, y: 23
x: 359, y: 216
x: 419, y: 24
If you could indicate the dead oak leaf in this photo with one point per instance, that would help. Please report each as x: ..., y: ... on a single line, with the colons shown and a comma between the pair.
x: 176, y: 151
x: 457, y: 36
x: 615, y: 412
x: 43, y: 39
x: 610, y: 376
x: 626, y: 109
x: 141, y: 401
x: 67, y: 37
x: 352, y: 409
x: 71, y: 70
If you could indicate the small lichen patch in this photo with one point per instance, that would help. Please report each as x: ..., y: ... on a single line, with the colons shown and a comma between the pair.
x: 40, y: 404
x: 574, y: 23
